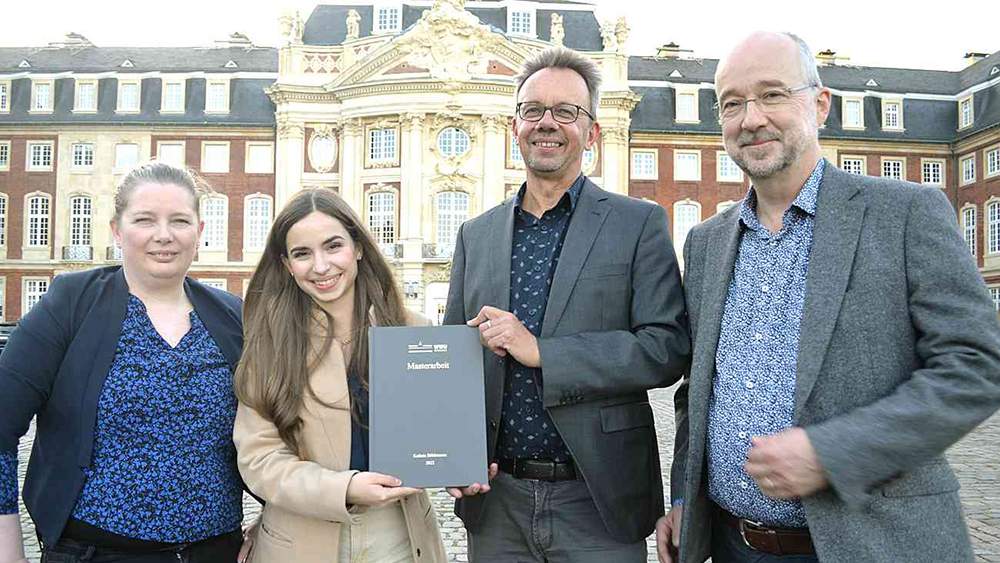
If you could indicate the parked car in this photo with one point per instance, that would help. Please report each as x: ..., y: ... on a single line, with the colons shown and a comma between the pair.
x: 5, y: 330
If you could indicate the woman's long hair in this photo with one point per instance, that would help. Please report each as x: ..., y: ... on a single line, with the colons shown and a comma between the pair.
x: 278, y: 353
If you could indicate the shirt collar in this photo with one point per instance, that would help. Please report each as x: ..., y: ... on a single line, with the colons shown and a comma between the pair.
x: 573, y: 192
x: 805, y: 201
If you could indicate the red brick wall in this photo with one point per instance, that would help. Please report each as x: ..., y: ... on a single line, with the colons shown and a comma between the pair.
x: 16, y: 182
x: 235, y: 185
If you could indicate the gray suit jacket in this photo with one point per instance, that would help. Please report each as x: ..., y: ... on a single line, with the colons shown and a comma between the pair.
x: 614, y: 327
x: 899, y: 357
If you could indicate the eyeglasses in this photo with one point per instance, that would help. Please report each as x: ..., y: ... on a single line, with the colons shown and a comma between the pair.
x: 770, y: 100
x: 562, y: 113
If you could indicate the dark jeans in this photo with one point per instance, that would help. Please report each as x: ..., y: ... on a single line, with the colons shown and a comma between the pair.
x: 728, y: 547
x: 220, y: 549
x: 526, y: 521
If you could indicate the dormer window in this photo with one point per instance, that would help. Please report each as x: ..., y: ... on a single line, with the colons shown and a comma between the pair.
x: 521, y: 21
x: 388, y: 18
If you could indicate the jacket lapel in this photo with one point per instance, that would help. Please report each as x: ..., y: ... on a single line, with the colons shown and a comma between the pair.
x: 588, y: 217
x: 502, y: 223
x: 720, y: 259
x: 839, y: 213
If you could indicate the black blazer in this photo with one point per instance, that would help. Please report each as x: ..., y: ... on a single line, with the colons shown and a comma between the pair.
x: 614, y: 327
x: 54, y: 367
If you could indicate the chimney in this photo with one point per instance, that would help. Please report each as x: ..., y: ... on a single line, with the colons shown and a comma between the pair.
x: 235, y: 39
x: 72, y: 40
x: 830, y: 57
x: 672, y: 51
x: 973, y: 57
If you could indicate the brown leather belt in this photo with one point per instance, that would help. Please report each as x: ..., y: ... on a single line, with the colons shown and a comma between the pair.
x: 539, y: 469
x: 768, y: 539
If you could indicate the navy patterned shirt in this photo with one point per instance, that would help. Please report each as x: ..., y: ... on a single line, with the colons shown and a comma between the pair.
x: 527, y: 430
x: 164, y: 465
x: 753, y: 393
x: 8, y: 482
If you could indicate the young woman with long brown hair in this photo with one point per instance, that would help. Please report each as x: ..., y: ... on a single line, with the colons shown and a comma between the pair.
x: 301, y: 426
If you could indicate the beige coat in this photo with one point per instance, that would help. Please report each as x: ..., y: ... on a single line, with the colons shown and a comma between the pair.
x: 306, y: 500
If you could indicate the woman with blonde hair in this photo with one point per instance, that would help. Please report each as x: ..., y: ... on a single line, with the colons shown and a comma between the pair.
x: 301, y: 427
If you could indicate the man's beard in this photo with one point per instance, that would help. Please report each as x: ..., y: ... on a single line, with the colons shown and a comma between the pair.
x: 792, y: 149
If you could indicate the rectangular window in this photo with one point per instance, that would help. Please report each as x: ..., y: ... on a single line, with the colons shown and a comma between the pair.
x: 853, y: 165
x: 969, y: 228
x: 38, y: 221
x: 382, y: 145
x: 932, y: 172
x: 217, y: 96
x: 643, y: 165
x: 170, y: 152
x: 86, y: 96
x: 126, y: 156
x: 686, y: 215
x: 79, y: 221
x: 687, y: 106
x: 993, y: 227
x: 995, y: 296
x: 993, y: 162
x: 726, y: 168
x: 387, y: 19
x: 853, y: 114
x: 260, y: 158
x: 215, y: 157
x: 128, y: 96
x: 4, y: 96
x: 4, y: 155
x: 893, y: 168
x: 452, y: 211
x: 33, y: 290
x: 382, y: 216
x: 892, y: 114
x: 173, y: 96
x: 41, y: 95
x: 687, y: 165
x: 83, y: 155
x: 520, y: 22
x: 515, y: 150
x: 39, y: 156
x: 965, y: 113
x: 213, y: 213
x: 258, y: 220
x: 3, y: 297
x: 968, y: 165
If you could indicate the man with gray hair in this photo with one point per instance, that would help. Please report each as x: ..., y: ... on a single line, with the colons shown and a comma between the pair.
x: 576, y: 294
x: 843, y: 340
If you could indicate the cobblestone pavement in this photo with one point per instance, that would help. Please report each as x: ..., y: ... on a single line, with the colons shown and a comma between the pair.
x: 975, y: 459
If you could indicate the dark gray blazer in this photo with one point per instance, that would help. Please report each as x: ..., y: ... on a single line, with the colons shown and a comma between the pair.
x: 613, y: 328
x: 899, y: 357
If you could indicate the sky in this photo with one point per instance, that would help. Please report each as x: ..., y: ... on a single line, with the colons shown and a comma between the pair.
x: 890, y: 33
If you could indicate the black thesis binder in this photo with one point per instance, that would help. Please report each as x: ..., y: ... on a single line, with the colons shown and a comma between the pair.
x: 427, y: 408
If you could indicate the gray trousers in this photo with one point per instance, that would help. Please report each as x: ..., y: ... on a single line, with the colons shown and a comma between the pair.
x: 526, y: 521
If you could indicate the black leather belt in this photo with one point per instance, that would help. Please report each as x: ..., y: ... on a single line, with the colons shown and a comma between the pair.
x: 770, y: 539
x: 539, y: 469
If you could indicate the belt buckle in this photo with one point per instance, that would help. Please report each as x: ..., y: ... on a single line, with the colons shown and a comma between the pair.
x: 755, y: 527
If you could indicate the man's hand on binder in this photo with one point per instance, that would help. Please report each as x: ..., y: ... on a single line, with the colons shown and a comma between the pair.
x: 475, y: 488
x: 375, y: 489
x: 502, y: 332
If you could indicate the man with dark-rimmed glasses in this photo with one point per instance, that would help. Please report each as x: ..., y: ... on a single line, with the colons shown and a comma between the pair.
x: 843, y: 339
x: 576, y: 294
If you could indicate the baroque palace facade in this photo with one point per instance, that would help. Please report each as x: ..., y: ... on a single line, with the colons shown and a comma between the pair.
x: 404, y: 108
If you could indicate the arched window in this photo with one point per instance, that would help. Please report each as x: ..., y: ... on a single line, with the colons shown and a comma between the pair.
x: 256, y: 222
x: 993, y: 226
x: 687, y: 214
x: 969, y: 228
x: 382, y: 217
x: 214, y: 213
x: 452, y: 210
x: 38, y: 220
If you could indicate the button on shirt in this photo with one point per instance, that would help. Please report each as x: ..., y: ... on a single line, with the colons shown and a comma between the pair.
x: 527, y: 430
x: 753, y: 393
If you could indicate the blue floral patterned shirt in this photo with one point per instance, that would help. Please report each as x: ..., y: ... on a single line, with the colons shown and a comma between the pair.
x: 8, y: 482
x: 527, y: 430
x: 164, y: 464
x: 753, y: 393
